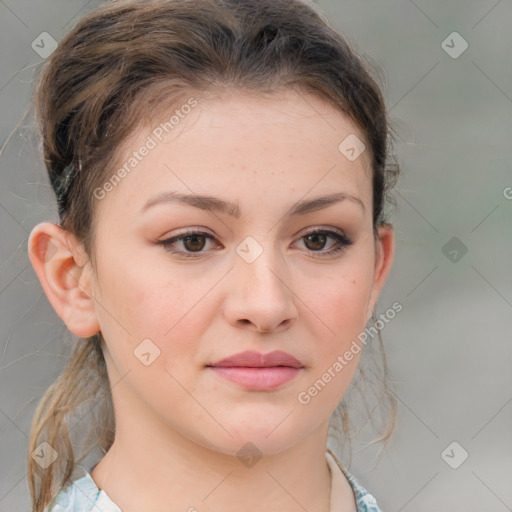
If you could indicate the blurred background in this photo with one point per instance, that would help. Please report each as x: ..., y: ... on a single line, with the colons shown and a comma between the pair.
x: 448, y: 86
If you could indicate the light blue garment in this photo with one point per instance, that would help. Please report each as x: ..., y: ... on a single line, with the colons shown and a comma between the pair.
x: 365, y: 501
x: 83, y: 495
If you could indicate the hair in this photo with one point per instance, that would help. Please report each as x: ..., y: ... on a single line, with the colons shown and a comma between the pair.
x: 115, y: 70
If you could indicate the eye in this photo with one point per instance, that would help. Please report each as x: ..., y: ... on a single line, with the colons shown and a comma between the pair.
x: 194, y: 241
x: 315, y: 240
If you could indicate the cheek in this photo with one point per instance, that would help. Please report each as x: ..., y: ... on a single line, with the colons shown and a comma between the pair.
x: 153, y: 334
x: 173, y: 314
x: 342, y: 302
x: 138, y: 304
x: 340, y: 317
x: 154, y: 300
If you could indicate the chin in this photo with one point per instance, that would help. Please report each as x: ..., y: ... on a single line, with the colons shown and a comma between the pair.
x: 269, y: 437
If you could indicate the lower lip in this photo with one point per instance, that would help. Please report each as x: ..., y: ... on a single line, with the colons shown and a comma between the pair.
x: 257, y: 378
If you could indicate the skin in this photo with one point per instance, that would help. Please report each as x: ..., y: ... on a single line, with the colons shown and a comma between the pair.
x: 179, y: 426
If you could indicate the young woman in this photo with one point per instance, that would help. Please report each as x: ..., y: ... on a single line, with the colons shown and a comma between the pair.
x: 221, y: 175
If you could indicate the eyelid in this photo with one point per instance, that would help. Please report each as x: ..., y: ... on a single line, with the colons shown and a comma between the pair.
x: 204, y: 230
x: 310, y: 229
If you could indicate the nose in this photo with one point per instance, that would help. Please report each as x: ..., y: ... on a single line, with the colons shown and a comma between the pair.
x: 260, y: 296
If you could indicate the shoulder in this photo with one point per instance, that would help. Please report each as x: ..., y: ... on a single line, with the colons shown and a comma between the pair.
x: 82, y: 495
x: 365, y: 501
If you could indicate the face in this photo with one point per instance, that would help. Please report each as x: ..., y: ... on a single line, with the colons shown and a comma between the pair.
x: 258, y: 275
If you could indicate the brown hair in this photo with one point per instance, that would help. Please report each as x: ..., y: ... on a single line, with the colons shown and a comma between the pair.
x: 117, y: 68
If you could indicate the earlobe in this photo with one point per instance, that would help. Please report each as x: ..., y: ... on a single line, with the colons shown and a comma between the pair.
x: 64, y: 272
x: 385, y: 251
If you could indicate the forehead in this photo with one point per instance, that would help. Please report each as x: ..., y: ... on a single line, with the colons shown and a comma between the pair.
x: 259, y: 145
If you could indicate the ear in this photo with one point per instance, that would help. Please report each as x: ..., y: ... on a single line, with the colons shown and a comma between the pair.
x: 65, y: 273
x: 384, y: 254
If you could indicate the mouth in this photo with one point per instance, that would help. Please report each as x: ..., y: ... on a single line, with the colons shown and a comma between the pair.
x: 257, y: 378
x: 256, y: 371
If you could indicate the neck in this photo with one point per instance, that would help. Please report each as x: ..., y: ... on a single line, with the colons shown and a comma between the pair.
x: 153, y: 473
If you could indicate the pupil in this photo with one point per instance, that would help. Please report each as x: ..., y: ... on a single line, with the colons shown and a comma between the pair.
x: 194, y: 237
x: 317, y: 235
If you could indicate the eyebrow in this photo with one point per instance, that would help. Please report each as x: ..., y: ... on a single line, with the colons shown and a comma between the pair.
x: 211, y: 203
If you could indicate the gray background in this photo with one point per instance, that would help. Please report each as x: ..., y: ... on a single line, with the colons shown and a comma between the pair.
x: 449, y: 349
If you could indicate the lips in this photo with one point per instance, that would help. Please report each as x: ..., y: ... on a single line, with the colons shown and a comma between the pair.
x: 252, y: 359
x: 258, y: 372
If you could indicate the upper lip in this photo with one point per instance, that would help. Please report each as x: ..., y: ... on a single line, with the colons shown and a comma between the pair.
x: 259, y: 360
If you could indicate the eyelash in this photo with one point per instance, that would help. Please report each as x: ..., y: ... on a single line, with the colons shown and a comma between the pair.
x: 342, y: 241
